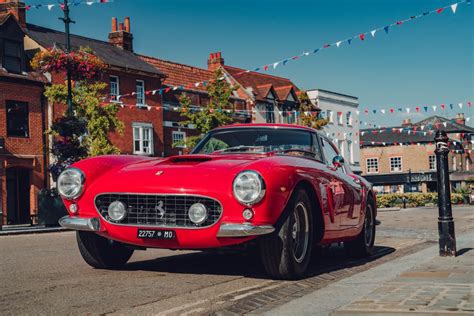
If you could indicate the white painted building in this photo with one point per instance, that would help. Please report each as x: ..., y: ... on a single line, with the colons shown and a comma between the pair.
x: 342, y: 112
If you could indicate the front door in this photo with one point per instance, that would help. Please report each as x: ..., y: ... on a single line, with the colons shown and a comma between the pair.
x: 18, y: 196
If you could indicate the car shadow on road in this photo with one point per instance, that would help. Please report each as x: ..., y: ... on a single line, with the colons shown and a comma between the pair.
x: 248, y: 264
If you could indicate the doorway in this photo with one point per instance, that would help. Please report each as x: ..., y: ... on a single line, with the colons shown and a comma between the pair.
x: 18, y: 196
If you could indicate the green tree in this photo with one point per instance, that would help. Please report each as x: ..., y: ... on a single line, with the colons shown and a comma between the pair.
x: 83, y: 133
x: 216, y: 113
x: 309, y: 116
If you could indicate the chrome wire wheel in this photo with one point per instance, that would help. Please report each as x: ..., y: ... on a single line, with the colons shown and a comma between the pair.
x: 369, y: 226
x: 300, y: 232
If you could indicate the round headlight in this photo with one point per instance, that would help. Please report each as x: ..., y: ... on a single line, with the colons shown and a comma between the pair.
x: 249, y: 187
x: 71, y: 183
x: 197, y: 213
x: 117, y: 211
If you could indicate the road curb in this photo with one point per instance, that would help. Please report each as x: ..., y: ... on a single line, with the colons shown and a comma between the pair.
x: 42, y: 230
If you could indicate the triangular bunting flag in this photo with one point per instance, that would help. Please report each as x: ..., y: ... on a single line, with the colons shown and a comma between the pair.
x: 454, y: 7
x: 362, y: 36
x: 373, y: 33
x: 386, y: 29
x: 439, y: 10
x: 338, y: 43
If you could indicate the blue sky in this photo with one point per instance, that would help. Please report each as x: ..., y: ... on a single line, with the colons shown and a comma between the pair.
x: 421, y: 63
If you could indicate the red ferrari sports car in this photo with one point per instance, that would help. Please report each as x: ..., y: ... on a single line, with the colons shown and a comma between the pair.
x: 283, y: 187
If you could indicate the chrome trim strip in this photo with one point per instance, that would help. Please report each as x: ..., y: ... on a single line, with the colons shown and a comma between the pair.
x: 159, y: 226
x: 78, y: 223
x: 243, y: 230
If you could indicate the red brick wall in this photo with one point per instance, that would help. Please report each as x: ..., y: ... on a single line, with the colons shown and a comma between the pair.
x: 23, y: 152
x: 130, y: 113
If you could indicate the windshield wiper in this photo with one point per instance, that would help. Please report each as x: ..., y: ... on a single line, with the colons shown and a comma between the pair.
x: 237, y: 149
x: 285, y: 151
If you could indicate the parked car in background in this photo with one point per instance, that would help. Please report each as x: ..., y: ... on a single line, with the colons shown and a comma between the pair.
x: 283, y: 187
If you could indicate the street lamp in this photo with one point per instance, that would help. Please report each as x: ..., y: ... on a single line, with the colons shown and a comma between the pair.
x: 68, y: 21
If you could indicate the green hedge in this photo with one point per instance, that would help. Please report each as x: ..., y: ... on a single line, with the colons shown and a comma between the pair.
x: 414, y: 199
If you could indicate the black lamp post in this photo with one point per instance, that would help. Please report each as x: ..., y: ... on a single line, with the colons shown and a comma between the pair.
x: 447, y: 237
x: 68, y: 21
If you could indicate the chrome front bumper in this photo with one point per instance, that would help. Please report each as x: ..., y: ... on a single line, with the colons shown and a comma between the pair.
x: 243, y: 230
x: 77, y: 223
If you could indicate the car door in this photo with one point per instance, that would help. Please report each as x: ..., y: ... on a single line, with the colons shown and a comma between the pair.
x: 341, y: 191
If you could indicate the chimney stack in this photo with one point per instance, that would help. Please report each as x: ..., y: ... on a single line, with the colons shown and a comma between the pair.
x: 215, y: 61
x: 406, y: 122
x: 16, y: 8
x: 121, y: 36
x: 460, y: 119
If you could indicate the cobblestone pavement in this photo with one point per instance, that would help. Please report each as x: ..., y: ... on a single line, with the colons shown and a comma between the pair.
x: 443, y: 285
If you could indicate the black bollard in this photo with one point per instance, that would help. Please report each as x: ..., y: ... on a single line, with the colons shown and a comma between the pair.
x: 447, y: 238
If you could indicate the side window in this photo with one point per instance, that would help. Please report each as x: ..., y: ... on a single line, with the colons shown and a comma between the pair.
x: 329, y: 151
x: 317, y: 149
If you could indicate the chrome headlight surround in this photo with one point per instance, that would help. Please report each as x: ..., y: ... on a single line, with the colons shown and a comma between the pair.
x: 71, y: 183
x: 248, y: 187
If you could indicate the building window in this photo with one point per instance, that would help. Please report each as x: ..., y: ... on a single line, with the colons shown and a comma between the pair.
x: 17, y: 119
x: 142, y: 138
x: 350, y: 151
x: 454, y: 163
x: 114, y: 88
x: 395, y: 164
x: 372, y: 165
x: 329, y: 116
x: 432, y: 161
x: 178, y: 139
x: 12, y: 56
x: 339, y: 118
x: 349, y: 118
x: 140, y: 92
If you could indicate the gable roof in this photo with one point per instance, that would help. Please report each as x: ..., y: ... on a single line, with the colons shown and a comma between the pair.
x: 106, y: 51
x: 438, y: 122
x: 4, y: 17
x: 254, y: 80
x: 179, y: 74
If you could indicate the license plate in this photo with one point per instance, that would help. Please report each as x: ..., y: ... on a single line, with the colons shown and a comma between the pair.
x: 156, y: 234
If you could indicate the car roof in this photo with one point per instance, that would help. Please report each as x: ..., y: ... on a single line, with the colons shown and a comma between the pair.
x: 267, y: 125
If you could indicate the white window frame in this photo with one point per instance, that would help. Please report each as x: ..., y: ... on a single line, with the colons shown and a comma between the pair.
x: 396, y: 169
x: 175, y: 133
x: 330, y: 116
x: 142, y: 92
x: 374, y: 165
x: 432, y: 162
x: 339, y: 116
x: 350, y: 151
x: 117, y: 92
x: 349, y: 118
x: 139, y: 128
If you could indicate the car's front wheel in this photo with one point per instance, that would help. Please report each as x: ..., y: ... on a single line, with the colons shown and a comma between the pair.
x: 286, y: 253
x: 102, y: 253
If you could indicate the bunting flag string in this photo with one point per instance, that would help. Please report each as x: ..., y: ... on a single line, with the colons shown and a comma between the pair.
x: 417, y: 109
x: 50, y: 6
x: 401, y: 144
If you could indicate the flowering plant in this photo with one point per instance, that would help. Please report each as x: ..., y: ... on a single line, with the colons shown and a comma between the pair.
x: 82, y: 64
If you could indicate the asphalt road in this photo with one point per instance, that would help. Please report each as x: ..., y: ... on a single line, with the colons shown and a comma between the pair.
x: 44, y: 273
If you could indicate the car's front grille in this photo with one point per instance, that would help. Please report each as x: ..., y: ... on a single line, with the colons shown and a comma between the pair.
x: 159, y: 210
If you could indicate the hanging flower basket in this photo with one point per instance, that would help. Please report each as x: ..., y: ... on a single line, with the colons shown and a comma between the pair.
x: 83, y: 65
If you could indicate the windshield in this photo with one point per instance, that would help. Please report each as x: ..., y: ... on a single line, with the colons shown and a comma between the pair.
x: 256, y: 140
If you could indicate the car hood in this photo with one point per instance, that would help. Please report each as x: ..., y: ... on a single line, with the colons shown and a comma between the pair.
x: 177, y: 174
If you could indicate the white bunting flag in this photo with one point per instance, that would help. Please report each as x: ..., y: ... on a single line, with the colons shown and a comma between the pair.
x: 197, y: 84
x: 175, y: 88
x: 357, y: 112
x: 50, y: 6
x: 275, y: 64
x: 434, y: 108
x: 422, y: 127
x: 373, y: 143
x: 408, y: 110
x: 460, y: 105
x: 338, y: 43
x: 454, y: 7
x: 383, y: 143
x: 148, y: 107
x: 362, y: 133
x: 468, y: 119
x: 373, y: 33
x: 90, y: 2
x: 306, y: 53
x: 445, y: 124
x: 153, y: 92
x: 383, y: 111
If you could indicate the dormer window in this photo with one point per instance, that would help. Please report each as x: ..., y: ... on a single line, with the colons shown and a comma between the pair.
x: 11, y: 56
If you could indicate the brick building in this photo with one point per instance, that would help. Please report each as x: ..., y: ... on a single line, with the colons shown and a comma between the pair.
x: 271, y: 99
x: 22, y: 116
x: 402, y: 159
x: 185, y: 76
x: 126, y: 74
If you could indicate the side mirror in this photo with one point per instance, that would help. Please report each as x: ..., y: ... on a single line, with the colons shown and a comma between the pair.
x: 338, y: 161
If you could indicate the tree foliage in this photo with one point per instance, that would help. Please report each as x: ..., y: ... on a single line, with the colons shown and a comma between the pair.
x: 212, y: 115
x: 309, y: 116
x: 83, y: 133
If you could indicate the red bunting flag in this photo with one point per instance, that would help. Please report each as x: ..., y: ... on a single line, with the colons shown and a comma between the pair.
x: 440, y: 10
x: 362, y: 36
x: 442, y: 106
x: 417, y: 109
x: 265, y: 68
